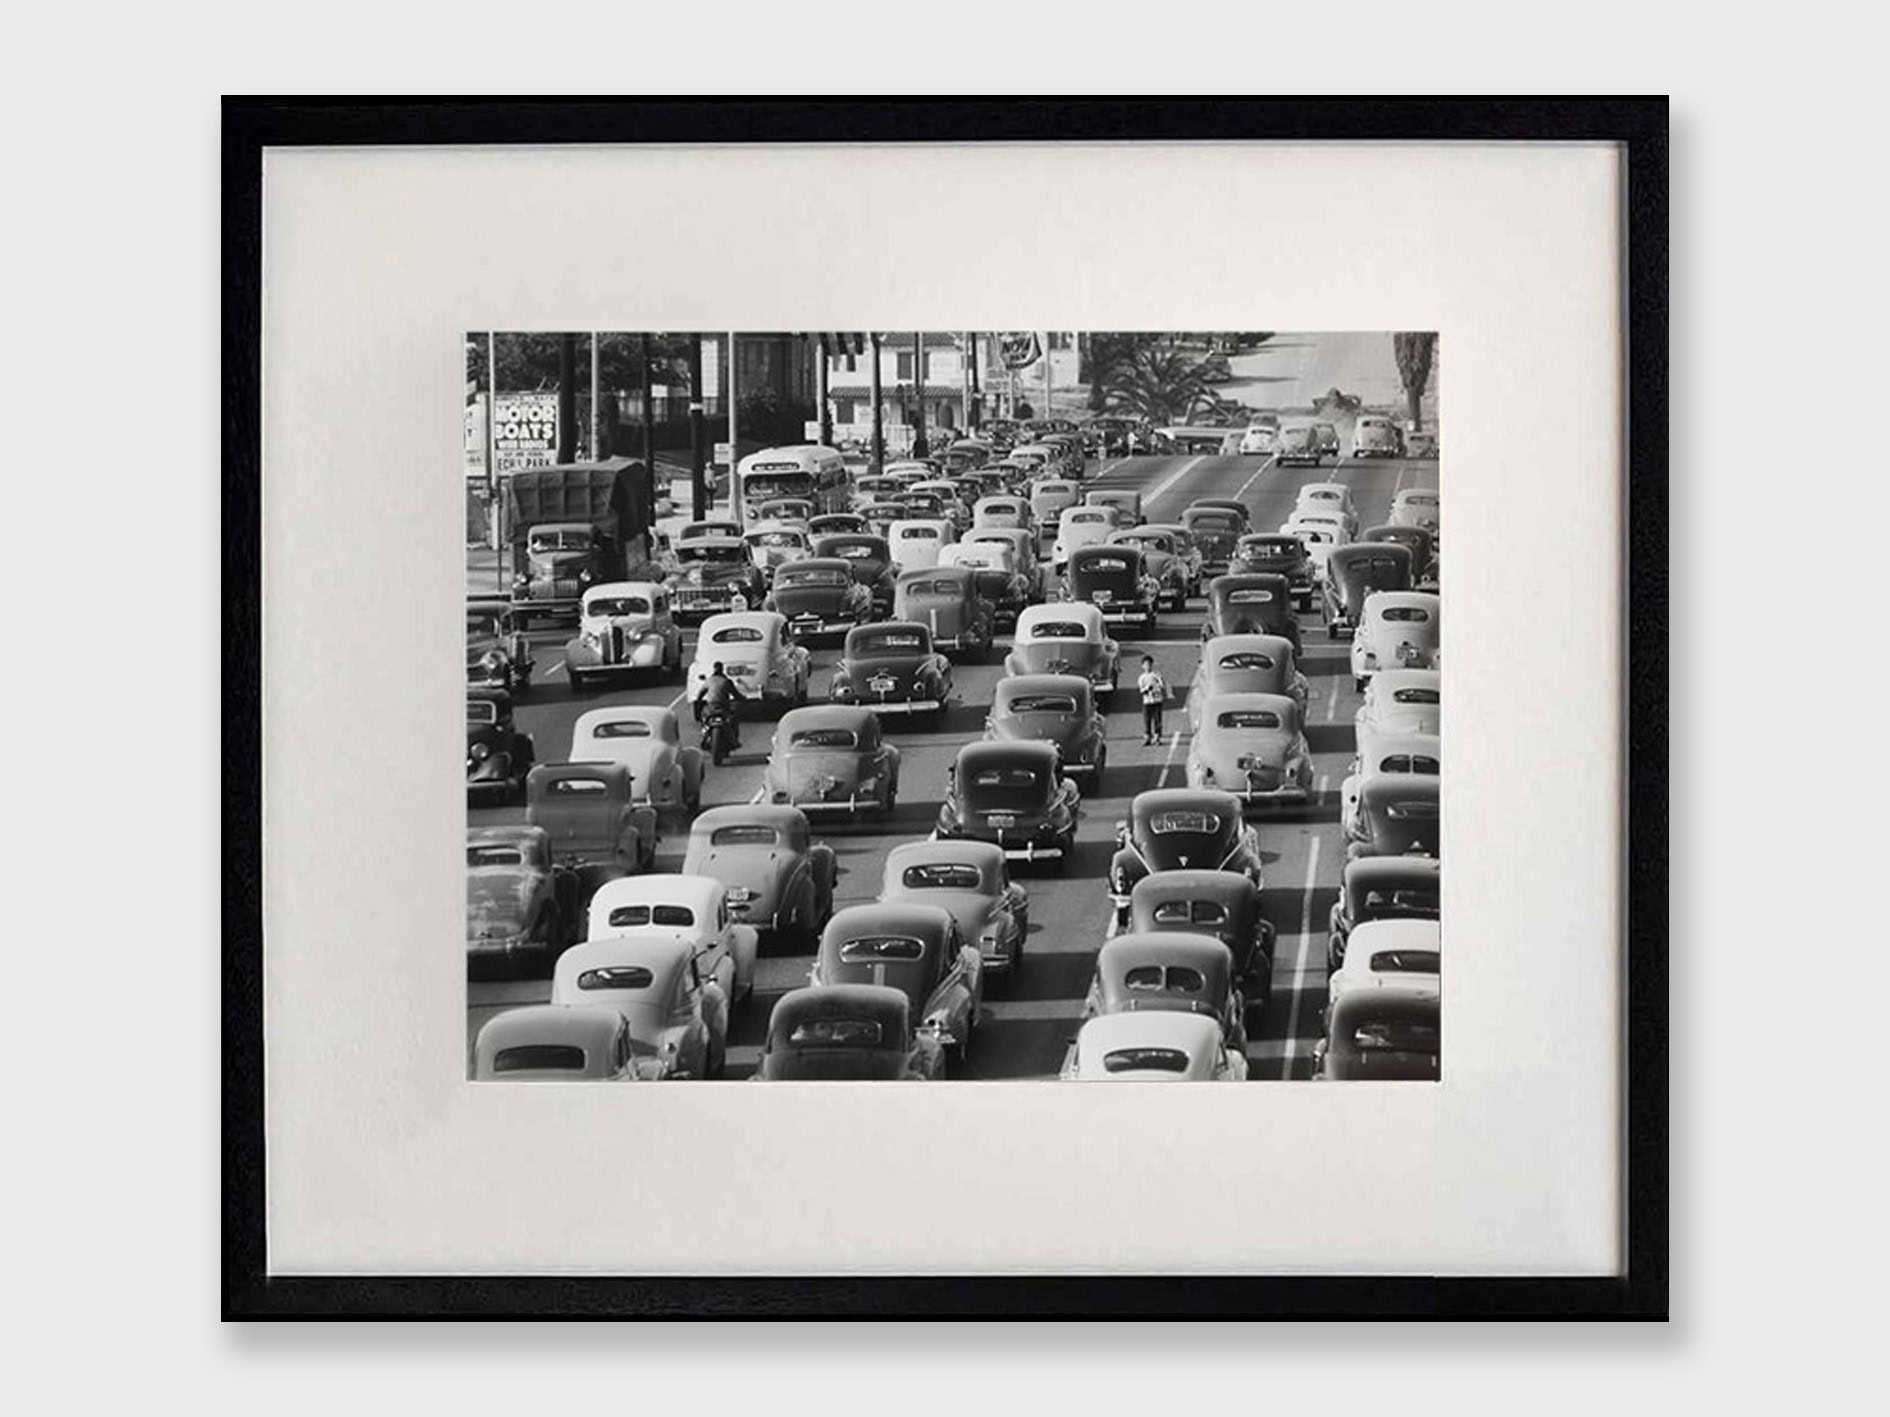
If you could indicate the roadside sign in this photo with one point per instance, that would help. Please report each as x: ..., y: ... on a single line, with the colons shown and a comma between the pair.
x: 811, y: 430
x: 724, y: 452
x: 525, y: 432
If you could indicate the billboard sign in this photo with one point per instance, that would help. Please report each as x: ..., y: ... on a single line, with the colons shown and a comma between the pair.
x: 525, y: 433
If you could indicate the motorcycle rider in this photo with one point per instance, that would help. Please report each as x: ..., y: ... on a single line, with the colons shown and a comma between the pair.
x: 720, y: 695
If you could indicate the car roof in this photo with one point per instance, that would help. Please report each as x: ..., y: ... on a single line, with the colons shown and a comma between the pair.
x: 665, y: 956
x: 1057, y: 611
x: 979, y: 853
x: 488, y: 695
x: 561, y: 527
x: 587, y: 1025
x: 1285, y: 707
x: 656, y: 715
x: 1185, y: 799
x: 613, y: 588
x: 1421, y: 599
x: 1393, y: 935
x: 1403, y: 740
x: 1013, y: 685
x: 515, y: 834
x: 1403, y: 996
x: 832, y: 1001
x: 1203, y: 951
x: 1388, y: 681
x: 1194, y: 885
x: 749, y: 814
x: 988, y: 753
x: 824, y: 716
x: 1276, y: 645
x: 754, y: 619
x: 930, y: 922
x: 1367, y: 550
x: 818, y: 563
x: 876, y: 627
x: 708, y: 540
x: 1399, y: 787
x: 700, y: 893
x: 1191, y: 1033
x: 944, y: 569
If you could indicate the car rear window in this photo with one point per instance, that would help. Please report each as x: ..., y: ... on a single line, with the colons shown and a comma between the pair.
x: 1190, y: 912
x: 918, y: 533
x: 481, y: 713
x: 579, y: 786
x: 738, y: 635
x: 1247, y: 659
x: 621, y: 605
x: 1167, y: 979
x: 1405, y: 962
x: 944, y: 586
x: 1248, y: 718
x: 1412, y: 811
x: 621, y: 728
x: 616, y: 976
x: 1404, y: 614
x: 1056, y: 630
x: 890, y: 642
x: 1192, y: 823
x: 1042, y: 703
x: 943, y: 875
x: 821, y: 576
x: 837, y: 1033
x: 1396, y: 1036
x: 824, y: 738
x: 744, y: 836
x: 477, y: 856
x: 1145, y: 1060
x: 851, y: 550
x: 1408, y: 762
x: 1105, y: 563
x: 882, y: 947
x: 1006, y: 777
x: 1415, y: 696
x: 1408, y: 902
x: 1249, y: 597
x: 539, y: 1058
x: 630, y: 916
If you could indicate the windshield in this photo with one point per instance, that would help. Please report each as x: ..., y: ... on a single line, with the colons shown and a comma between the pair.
x: 1248, y: 718
x: 760, y: 484
x: 710, y: 554
x: 824, y: 738
x: 1411, y: 500
x: 944, y: 586
x: 792, y: 540
x: 918, y: 533
x: 1042, y: 703
x: 478, y: 856
x: 943, y: 875
x: 1088, y: 518
x: 560, y: 541
x: 852, y: 550
x: 891, y: 642
x: 620, y: 605
x: 788, y: 577
x: 1210, y: 521
x: 631, y: 916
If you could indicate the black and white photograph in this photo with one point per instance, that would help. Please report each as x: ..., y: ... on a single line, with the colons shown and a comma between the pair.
x: 946, y: 705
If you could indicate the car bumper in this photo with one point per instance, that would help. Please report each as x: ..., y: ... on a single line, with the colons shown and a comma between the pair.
x: 1286, y: 792
x: 547, y: 604
x: 829, y: 807
x: 821, y: 625
x: 1029, y: 851
x: 895, y: 705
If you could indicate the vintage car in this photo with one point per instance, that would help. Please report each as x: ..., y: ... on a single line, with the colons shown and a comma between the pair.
x: 1223, y: 904
x: 1396, y: 630
x: 1023, y: 546
x: 1117, y: 581
x: 836, y: 524
x: 1381, y: 888
x: 779, y: 880
x: 1418, y: 542
x: 1419, y: 507
x: 1251, y: 605
x: 968, y: 878
x: 561, y: 559
x: 819, y: 596
x: 1160, y: 562
x: 1051, y: 497
x: 712, y: 573
x: 674, y: 995
x: 693, y: 909
x: 1379, y: 752
x: 916, y: 543
x: 1385, y: 952
x: 788, y: 511
x: 1126, y: 500
x: 1333, y: 499
x: 757, y: 650
x: 1167, y: 971
x: 624, y: 627
x: 1355, y: 572
x: 592, y: 820
x: 951, y: 504
x: 1153, y: 1047
x: 1232, y: 505
x: 831, y: 760
x: 869, y: 559
x: 1181, y: 546
x: 664, y: 771
x: 947, y: 601
x: 521, y: 909
x: 1068, y: 637
x: 1297, y: 445
x: 911, y: 470
x: 1260, y: 439
x: 1079, y: 527
x: 1271, y: 553
x: 1420, y: 445
x: 995, y: 578
x: 1052, y: 708
x: 928, y: 507
x: 1390, y: 1033
x: 881, y: 517
x: 1254, y: 746
x: 879, y: 487
x: 774, y: 544
x: 1401, y: 701
x: 892, y: 667
x: 1320, y: 537
x: 1004, y: 511
x: 847, y: 1033
x: 1246, y: 664
x: 498, y: 755
x: 1376, y: 437
x: 918, y: 950
x: 1178, y: 828
x: 1214, y: 531
x: 1326, y: 436
x: 1037, y: 461
x: 498, y: 655
x: 1397, y: 815
x: 553, y: 1043
x: 1014, y: 795
x: 966, y: 455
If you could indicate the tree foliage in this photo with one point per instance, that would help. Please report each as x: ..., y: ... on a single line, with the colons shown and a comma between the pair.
x: 528, y: 363
x: 1159, y: 383
x: 1414, y: 353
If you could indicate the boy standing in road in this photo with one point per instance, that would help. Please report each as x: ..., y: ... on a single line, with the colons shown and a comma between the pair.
x: 1154, y: 691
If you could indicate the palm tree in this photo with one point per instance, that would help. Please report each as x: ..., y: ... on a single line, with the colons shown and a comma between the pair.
x: 1414, y: 353
x: 1159, y: 384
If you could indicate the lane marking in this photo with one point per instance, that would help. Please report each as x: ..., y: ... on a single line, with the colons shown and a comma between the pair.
x: 1031, y: 1010
x: 1305, y: 944
x: 1168, y: 766
x: 1255, y: 478
x: 1169, y: 481
x: 1332, y: 702
x: 557, y: 668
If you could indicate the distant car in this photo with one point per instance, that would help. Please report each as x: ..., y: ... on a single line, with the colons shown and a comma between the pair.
x: 1419, y: 507
x: 1232, y: 505
x: 1381, y: 888
x: 1386, y: 952
x: 1078, y: 527
x: 1417, y: 541
x: 1253, y: 746
x: 561, y: 559
x: 916, y: 543
x: 692, y: 909
x: 498, y: 655
x: 1260, y: 439
x: 819, y: 596
x: 1397, y: 630
x: 1297, y: 445
x: 1051, y: 497
x: 1328, y: 499
x: 551, y: 1043
x: 969, y: 879
x: 892, y: 668
x: 1397, y: 815
x: 1065, y: 638
x: 1214, y: 532
x: 521, y: 910
x: 946, y: 600
x: 882, y: 515
x: 1126, y: 500
x: 1013, y: 795
x: 869, y: 559
x: 830, y: 760
x: 757, y: 650
x: 1246, y: 664
x: 1224, y: 904
x: 952, y: 506
x: 1387, y: 753
x: 1401, y: 701
x: 624, y: 627
x: 875, y: 489
x: 1052, y: 708
x: 645, y: 738
x: 1250, y: 605
x: 1386, y: 1034
x: 836, y: 524
x: 1178, y: 828
x: 1276, y: 554
x: 774, y: 544
x: 847, y: 1033
x: 1153, y: 1047
x: 592, y: 819
x: 712, y: 573
x: 779, y: 879
x: 1116, y: 580
x: 918, y: 950
x: 1375, y: 437
x: 1356, y: 572
x: 1003, y: 511
x: 1181, y: 546
x: 498, y: 753
x: 1169, y: 971
x: 793, y: 511
x: 1320, y: 536
x: 1420, y: 445
x: 1161, y: 561
x: 994, y: 574
x: 1326, y: 437
x: 1024, y: 552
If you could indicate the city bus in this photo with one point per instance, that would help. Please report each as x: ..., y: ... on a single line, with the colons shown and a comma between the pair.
x: 808, y: 471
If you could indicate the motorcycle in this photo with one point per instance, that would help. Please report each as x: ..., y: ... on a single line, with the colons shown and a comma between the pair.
x: 718, y: 733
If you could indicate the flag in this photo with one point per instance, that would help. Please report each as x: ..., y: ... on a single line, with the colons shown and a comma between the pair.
x: 1020, y: 350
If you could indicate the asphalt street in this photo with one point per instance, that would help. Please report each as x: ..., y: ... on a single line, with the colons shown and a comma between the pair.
x: 1025, y: 1033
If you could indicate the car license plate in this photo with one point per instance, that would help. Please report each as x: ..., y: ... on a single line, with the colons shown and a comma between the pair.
x: 881, y: 685
x: 1001, y: 819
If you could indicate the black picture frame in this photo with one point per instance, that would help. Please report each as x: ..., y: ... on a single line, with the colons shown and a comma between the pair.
x: 1637, y: 125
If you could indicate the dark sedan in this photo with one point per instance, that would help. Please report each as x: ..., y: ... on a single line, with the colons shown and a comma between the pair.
x: 869, y: 559
x: 1397, y: 816
x: 1059, y: 709
x: 1181, y: 828
x: 1276, y: 554
x: 892, y: 668
x: 819, y: 597
x: 1014, y: 795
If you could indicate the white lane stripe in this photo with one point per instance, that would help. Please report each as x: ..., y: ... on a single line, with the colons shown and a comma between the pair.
x: 677, y: 702
x: 1332, y: 702
x: 1169, y: 481
x: 1255, y: 478
x: 1305, y: 944
x: 1168, y: 766
x: 1032, y: 1010
x: 557, y: 668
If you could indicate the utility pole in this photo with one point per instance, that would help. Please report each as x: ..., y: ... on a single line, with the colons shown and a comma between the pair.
x: 649, y: 414
x: 597, y: 416
x: 492, y: 461
x: 919, y: 446
x: 699, y: 500
x: 1046, y: 375
x: 822, y: 412
x: 734, y: 448
x: 879, y: 428
x: 965, y: 372
x: 567, y: 398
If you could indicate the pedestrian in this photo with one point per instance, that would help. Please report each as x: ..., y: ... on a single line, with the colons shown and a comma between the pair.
x: 1154, y: 691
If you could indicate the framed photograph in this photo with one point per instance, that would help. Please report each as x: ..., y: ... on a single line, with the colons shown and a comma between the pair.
x: 950, y: 593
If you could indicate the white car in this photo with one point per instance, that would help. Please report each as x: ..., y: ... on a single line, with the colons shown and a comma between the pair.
x: 645, y: 738
x: 915, y: 545
x: 1081, y: 526
x: 1419, y: 507
x: 1261, y: 438
x: 1374, y: 436
x: 1398, y: 629
x: 1318, y: 533
x: 1387, y: 954
x: 1401, y: 701
x: 623, y: 626
x: 1329, y: 499
x: 694, y: 909
x: 775, y: 543
x: 757, y: 651
x: 1386, y: 751
x: 1153, y: 1047
x: 1006, y: 512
